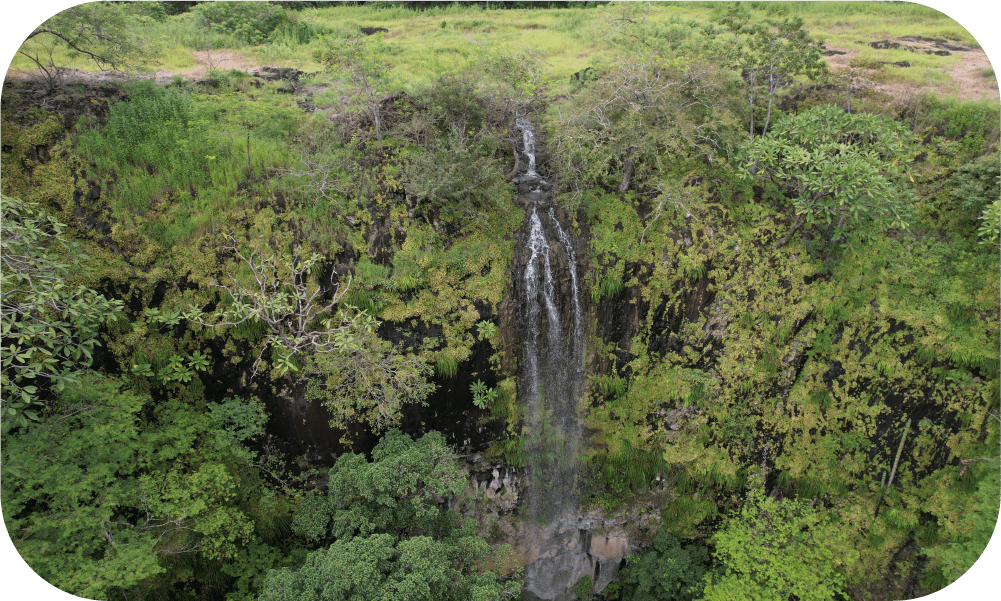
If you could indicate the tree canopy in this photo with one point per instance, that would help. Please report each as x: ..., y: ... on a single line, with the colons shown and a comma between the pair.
x: 841, y: 171
x: 391, y: 537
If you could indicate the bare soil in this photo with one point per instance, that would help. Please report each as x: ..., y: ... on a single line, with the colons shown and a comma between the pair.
x: 206, y: 60
x: 967, y: 81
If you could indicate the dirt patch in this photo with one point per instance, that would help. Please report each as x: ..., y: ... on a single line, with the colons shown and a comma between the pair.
x: 206, y: 60
x: 966, y: 77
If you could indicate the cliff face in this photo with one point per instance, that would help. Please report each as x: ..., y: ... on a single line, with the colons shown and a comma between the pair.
x: 712, y: 361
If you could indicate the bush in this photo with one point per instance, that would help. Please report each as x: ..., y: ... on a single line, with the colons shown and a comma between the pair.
x: 251, y: 22
x: 978, y: 183
x: 153, y: 10
x: 668, y: 571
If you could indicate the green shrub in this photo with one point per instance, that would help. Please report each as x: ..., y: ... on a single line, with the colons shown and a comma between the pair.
x: 152, y: 10
x: 584, y: 588
x: 973, y: 124
x: 666, y: 572
x: 252, y: 22
x: 978, y: 183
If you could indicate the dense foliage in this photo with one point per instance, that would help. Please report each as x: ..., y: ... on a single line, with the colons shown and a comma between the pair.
x: 669, y: 571
x: 251, y: 322
x: 108, y: 486
x: 49, y: 325
x: 842, y: 170
x: 250, y: 21
x: 391, y: 538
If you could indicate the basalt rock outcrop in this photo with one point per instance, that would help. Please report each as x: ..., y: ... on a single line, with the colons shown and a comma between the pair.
x: 555, y: 555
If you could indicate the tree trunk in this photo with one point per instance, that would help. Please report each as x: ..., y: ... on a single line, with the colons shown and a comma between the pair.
x: 514, y: 170
x: 771, y: 94
x: 377, y: 117
x: 830, y: 251
x: 628, y: 171
x: 795, y: 226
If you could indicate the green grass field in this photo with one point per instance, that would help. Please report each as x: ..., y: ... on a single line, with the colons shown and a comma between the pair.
x: 421, y: 44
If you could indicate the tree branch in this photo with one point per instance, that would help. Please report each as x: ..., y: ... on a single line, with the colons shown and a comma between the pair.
x: 99, y: 59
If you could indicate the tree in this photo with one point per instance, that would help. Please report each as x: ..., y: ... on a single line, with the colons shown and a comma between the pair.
x: 96, y: 495
x: 637, y: 122
x: 778, y: 550
x: 367, y: 380
x: 100, y: 31
x: 836, y: 167
x: 348, y: 367
x: 48, y: 326
x: 769, y: 54
x: 284, y: 299
x: 669, y: 571
x: 391, y: 538
x: 366, y: 73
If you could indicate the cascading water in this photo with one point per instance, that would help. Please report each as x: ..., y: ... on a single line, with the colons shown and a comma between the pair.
x: 528, y: 142
x: 550, y: 380
x: 552, y: 370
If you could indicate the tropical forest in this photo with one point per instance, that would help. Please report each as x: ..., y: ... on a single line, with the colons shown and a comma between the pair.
x: 569, y: 300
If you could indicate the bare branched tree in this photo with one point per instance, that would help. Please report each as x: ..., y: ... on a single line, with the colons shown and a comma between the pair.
x: 284, y: 297
x: 642, y: 113
x: 319, y: 172
x: 311, y: 332
x: 367, y: 74
x: 99, y: 31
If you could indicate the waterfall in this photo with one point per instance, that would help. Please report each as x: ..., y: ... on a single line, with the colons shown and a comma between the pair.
x: 550, y: 321
x: 528, y: 141
x: 552, y: 356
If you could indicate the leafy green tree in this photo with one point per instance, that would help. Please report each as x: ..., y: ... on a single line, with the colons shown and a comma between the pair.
x: 101, y: 494
x: 769, y: 54
x: 849, y: 170
x: 391, y: 538
x: 367, y: 380
x: 100, y: 31
x: 48, y: 326
x: 778, y: 550
x: 669, y: 571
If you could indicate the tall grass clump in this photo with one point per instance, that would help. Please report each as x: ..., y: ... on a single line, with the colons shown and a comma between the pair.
x: 297, y: 33
x: 150, y: 127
